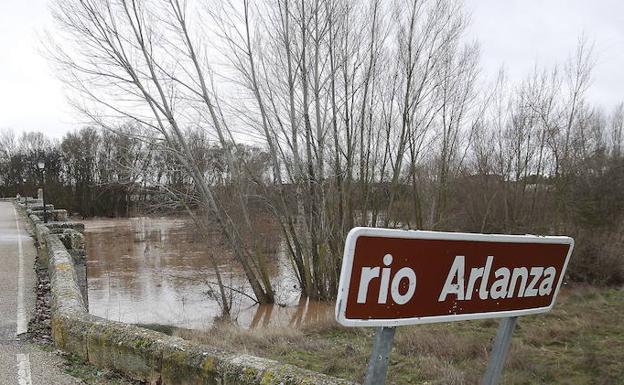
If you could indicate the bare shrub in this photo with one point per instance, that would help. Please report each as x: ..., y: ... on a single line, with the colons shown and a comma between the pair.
x: 599, y: 257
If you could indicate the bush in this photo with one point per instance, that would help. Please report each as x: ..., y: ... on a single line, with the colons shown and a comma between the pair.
x: 599, y: 256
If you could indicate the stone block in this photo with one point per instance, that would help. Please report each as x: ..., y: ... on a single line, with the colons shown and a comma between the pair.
x: 184, y: 363
x: 35, y: 219
x: 70, y: 331
x: 55, y: 215
x: 39, y: 207
x: 59, y: 227
x: 64, y: 287
x: 127, y: 348
x: 72, y: 240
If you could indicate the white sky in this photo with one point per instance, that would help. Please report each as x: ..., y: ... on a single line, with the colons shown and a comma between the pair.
x: 31, y: 99
x: 513, y: 33
x: 520, y: 33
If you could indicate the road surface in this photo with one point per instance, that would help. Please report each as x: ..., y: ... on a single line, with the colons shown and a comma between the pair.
x: 21, y: 363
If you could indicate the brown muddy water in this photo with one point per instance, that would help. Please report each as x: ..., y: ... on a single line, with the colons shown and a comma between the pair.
x: 156, y: 271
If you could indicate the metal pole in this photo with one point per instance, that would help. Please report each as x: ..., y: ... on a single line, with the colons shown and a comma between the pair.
x: 499, y: 351
x: 378, y: 363
x: 45, y: 211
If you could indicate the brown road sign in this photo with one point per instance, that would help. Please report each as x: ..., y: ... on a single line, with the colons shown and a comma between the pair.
x: 401, y: 277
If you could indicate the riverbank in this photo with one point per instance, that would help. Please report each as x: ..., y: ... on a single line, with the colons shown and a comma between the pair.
x: 579, y: 342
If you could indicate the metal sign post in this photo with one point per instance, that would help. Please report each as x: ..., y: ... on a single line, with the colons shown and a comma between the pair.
x: 499, y: 351
x: 380, y: 357
x: 391, y: 278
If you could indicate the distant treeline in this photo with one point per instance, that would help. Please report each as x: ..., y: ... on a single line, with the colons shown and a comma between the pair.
x: 96, y: 172
x: 82, y: 171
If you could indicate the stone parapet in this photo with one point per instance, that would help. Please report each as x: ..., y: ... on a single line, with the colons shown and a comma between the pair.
x: 39, y: 207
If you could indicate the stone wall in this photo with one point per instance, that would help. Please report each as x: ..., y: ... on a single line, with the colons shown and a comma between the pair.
x: 143, y: 354
x: 70, y: 233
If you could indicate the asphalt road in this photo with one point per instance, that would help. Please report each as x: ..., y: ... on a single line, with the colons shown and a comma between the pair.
x: 21, y: 363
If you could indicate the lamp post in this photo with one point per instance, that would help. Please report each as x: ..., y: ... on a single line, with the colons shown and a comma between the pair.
x: 25, y: 193
x: 41, y: 167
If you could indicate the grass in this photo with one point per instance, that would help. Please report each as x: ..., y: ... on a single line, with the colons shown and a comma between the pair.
x: 580, y: 342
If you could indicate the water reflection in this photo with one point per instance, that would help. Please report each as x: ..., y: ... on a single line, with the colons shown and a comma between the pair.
x: 304, y: 312
x: 157, y: 271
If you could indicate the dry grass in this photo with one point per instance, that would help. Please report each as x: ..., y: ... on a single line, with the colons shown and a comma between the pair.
x: 444, y: 372
x: 580, y: 342
x: 427, y: 340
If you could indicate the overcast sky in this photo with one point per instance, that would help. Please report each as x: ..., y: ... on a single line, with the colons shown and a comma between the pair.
x: 513, y: 33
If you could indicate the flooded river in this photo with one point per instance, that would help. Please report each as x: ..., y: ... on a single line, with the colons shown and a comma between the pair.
x: 157, y: 271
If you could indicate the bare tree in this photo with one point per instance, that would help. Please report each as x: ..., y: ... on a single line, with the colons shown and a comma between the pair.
x: 144, y: 51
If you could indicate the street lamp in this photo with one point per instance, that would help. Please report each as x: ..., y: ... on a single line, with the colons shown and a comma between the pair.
x: 41, y: 167
x: 25, y: 193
